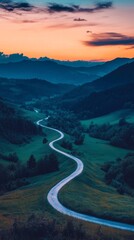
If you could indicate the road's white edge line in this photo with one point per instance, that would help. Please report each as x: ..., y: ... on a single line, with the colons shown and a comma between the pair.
x: 53, y: 193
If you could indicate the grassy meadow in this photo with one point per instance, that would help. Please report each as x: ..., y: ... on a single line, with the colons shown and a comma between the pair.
x: 35, y: 146
x: 112, y: 118
x: 92, y: 194
x: 32, y: 199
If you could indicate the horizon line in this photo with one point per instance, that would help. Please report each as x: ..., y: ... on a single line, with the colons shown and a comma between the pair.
x: 59, y: 59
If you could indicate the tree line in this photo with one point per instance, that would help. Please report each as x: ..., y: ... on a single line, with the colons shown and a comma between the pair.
x: 5, y: 110
x: 18, y: 130
x: 100, y: 103
x: 15, y: 174
x: 44, y: 229
x: 67, y: 122
x: 120, y: 174
x: 120, y: 135
x: 15, y: 128
x: 37, y: 228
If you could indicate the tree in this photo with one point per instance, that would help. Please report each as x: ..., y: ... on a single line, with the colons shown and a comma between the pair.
x: 129, y: 175
x: 4, y: 175
x: 66, y: 144
x: 44, y: 140
x: 13, y: 157
x: 122, y: 122
x: 41, y: 165
x: 31, y: 163
x: 53, y: 161
x: 79, y: 139
x: 120, y: 174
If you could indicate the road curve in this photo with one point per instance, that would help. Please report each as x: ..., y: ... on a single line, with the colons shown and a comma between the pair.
x: 53, y: 193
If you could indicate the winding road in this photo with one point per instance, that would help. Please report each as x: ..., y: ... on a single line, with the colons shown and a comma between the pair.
x: 53, y: 193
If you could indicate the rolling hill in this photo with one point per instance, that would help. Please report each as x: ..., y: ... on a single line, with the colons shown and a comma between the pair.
x: 14, y: 128
x: 24, y: 90
x: 120, y: 76
x: 101, y: 103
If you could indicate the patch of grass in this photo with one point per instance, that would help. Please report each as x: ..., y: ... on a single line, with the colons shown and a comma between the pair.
x: 35, y: 146
x: 112, y: 118
x: 32, y: 115
x: 88, y: 193
x: 32, y: 199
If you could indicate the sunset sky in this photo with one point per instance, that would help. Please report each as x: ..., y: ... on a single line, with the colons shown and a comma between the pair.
x: 69, y: 30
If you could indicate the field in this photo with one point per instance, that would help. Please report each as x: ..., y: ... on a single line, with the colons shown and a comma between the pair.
x: 92, y: 194
x: 31, y: 199
x: 87, y: 194
x: 35, y: 146
x: 112, y: 118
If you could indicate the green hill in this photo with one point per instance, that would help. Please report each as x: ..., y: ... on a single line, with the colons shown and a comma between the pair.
x: 25, y: 90
x: 101, y: 103
x: 121, y: 76
x: 13, y: 127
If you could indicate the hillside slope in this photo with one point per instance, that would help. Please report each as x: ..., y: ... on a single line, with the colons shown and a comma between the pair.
x: 49, y: 70
x: 24, y: 90
x: 120, y: 76
x: 106, y: 67
x: 13, y: 127
x: 56, y: 72
x: 101, y: 103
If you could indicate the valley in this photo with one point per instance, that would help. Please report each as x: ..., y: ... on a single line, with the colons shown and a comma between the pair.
x: 88, y: 193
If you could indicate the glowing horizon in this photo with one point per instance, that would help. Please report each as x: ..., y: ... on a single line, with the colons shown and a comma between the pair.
x: 97, y: 31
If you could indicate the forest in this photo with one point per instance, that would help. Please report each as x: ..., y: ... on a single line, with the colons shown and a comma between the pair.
x: 67, y: 122
x: 120, y: 175
x: 15, y: 128
x: 15, y: 174
x: 120, y: 135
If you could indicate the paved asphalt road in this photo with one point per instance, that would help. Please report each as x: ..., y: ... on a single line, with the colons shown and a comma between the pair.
x: 53, y: 193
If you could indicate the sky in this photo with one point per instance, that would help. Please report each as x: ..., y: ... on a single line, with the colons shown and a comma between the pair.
x: 93, y: 30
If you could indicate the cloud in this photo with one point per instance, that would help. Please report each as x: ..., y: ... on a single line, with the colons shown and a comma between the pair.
x: 72, y: 25
x: 28, y: 21
x: 129, y: 48
x: 104, y: 5
x: 11, y: 6
x: 79, y: 19
x: 55, y: 7
x: 109, y: 39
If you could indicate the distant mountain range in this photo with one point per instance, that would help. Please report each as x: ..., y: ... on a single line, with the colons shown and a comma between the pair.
x: 106, y: 67
x: 78, y: 63
x: 16, y: 57
x: 48, y: 70
x: 18, y: 66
